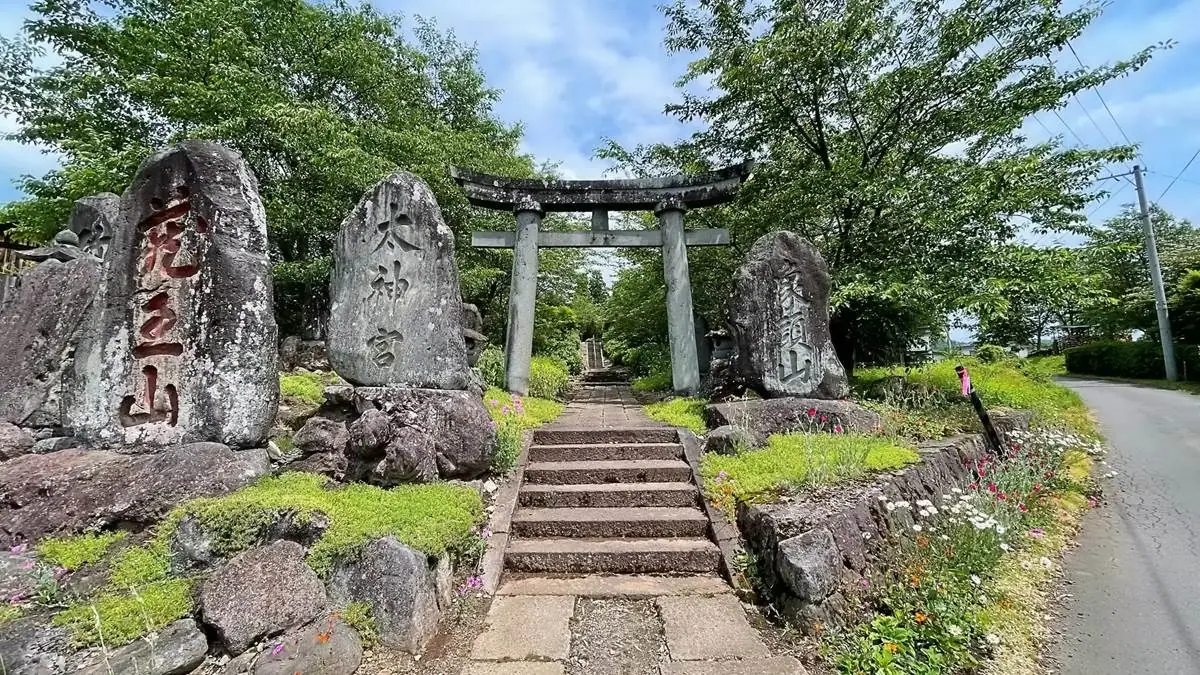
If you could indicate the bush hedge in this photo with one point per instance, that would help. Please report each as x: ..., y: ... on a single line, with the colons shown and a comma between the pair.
x: 1135, y: 360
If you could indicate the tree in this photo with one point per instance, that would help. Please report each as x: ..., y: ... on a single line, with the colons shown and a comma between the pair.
x: 1185, y: 309
x: 321, y: 99
x: 888, y: 133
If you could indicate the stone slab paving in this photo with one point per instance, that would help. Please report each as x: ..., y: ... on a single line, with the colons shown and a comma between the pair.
x: 603, y: 406
x: 514, y: 668
x: 526, y: 628
x: 613, y: 586
x: 777, y: 665
x: 708, y: 628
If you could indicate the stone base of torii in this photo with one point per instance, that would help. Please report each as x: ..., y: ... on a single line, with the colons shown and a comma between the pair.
x: 669, y: 198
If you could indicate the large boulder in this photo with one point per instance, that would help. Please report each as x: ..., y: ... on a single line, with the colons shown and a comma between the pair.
x: 762, y: 418
x: 396, y: 314
x: 401, y: 587
x: 810, y: 565
x: 39, y: 330
x: 780, y: 321
x: 93, y: 220
x: 181, y: 343
x: 327, y: 647
x: 406, y: 434
x: 175, y: 650
x: 73, y: 490
x: 14, y: 441
x: 28, y: 646
x: 260, y: 593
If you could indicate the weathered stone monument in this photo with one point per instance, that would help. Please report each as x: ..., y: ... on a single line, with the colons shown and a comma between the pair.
x: 780, y: 315
x: 396, y: 314
x: 181, y: 343
x: 668, y: 197
x: 40, y: 328
x: 399, y: 331
x: 94, y: 219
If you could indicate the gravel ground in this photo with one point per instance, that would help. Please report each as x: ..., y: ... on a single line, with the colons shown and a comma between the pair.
x: 616, y: 637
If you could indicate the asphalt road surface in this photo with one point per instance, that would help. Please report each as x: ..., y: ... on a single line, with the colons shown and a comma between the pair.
x: 1135, y: 578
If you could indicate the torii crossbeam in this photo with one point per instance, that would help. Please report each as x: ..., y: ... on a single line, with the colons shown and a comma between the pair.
x: 668, y: 197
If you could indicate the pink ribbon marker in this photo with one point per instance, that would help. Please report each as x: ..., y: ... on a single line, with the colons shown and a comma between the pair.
x: 965, y: 378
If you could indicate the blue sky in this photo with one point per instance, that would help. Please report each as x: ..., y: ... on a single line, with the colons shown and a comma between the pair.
x: 576, y: 71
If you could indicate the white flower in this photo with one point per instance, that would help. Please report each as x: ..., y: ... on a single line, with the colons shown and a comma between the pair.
x: 902, y: 505
x: 983, y: 599
x: 1046, y: 562
x: 890, y: 507
x: 1005, y: 547
x: 1000, y: 529
x: 916, y: 528
x: 932, y: 510
x: 883, y: 498
x: 866, y: 535
x: 924, y: 503
x: 975, y: 579
x: 954, y: 630
x: 944, y: 538
x: 957, y: 491
x: 992, y: 639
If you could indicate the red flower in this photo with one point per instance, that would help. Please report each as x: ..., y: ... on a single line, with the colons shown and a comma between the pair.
x: 1037, y: 488
x: 837, y: 428
x: 1000, y: 496
x: 973, y: 486
x: 824, y: 419
x: 1024, y: 509
x: 991, y: 487
x: 812, y: 412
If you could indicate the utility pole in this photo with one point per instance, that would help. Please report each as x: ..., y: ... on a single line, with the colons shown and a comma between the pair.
x: 1160, y: 295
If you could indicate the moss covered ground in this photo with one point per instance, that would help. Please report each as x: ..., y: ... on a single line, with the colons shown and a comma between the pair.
x: 680, y: 412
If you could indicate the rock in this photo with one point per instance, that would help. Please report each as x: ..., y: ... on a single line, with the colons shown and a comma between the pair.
x: 473, y: 333
x: 40, y: 328
x: 73, y: 490
x: 56, y: 443
x: 94, y: 220
x: 325, y: 648
x: 729, y: 440
x: 401, y: 588
x: 810, y: 564
x: 780, y: 316
x: 396, y: 308
x: 175, y: 650
x: 18, y: 576
x: 14, y: 441
x: 181, y: 345
x: 418, y: 434
x: 259, y: 593
x: 191, y: 545
x: 763, y: 418
x: 296, y: 353
x: 256, y: 459
x: 322, y: 435
x: 29, y: 647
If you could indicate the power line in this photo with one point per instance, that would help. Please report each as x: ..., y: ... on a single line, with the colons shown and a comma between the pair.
x: 1176, y: 178
x: 1111, y: 196
x: 1102, y: 101
x: 1167, y: 175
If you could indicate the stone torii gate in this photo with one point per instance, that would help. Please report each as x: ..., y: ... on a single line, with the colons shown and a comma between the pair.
x: 668, y: 197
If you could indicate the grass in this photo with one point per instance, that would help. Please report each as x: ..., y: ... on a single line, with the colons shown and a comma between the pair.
x: 306, y: 387
x: 1001, y: 385
x: 118, y: 618
x: 71, y: 553
x: 357, y: 615
x: 680, y: 412
x: 433, y: 518
x: 9, y: 613
x: 1045, y: 366
x: 791, y: 462
x: 654, y: 382
x: 513, y: 416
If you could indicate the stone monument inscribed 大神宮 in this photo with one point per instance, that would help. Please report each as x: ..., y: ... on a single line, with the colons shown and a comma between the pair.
x: 396, y: 315
x: 181, y: 343
x: 39, y: 329
x: 93, y: 219
x: 780, y: 313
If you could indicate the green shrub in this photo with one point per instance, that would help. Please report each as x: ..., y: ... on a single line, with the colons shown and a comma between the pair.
x: 547, y: 378
x: 513, y: 415
x: 357, y: 615
x: 491, y: 367
x: 71, y: 553
x: 140, y: 565
x: 1134, y: 360
x: 794, y: 461
x: 680, y: 412
x: 994, y: 354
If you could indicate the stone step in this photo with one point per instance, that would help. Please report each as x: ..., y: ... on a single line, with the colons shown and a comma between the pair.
x: 594, y: 436
x: 653, y: 522
x: 601, y: 452
x: 623, y: 556
x: 609, y: 495
x: 615, y: 585
x: 640, y: 471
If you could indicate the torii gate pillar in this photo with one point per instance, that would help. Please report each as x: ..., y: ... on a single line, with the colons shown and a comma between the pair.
x: 669, y: 198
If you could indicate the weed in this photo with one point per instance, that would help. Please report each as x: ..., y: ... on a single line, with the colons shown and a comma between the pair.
x: 358, y: 616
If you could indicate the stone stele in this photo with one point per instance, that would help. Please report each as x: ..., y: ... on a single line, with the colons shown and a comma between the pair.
x: 396, y: 314
x: 780, y: 314
x: 181, y: 343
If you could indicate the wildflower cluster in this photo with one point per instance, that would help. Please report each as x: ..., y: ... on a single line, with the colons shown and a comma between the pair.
x: 813, y: 421
x: 509, y: 425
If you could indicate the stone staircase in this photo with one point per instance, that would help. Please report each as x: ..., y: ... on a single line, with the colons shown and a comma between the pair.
x: 609, y: 500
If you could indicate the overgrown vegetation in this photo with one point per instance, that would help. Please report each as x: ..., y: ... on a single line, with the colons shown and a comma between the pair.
x: 680, y: 412
x: 548, y: 377
x: 357, y: 615
x: 306, y: 387
x: 514, y: 415
x: 1132, y: 360
x: 792, y: 462
x: 72, y: 553
x: 953, y: 594
x: 116, y: 618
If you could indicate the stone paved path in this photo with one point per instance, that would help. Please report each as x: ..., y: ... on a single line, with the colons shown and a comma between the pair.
x: 600, y: 624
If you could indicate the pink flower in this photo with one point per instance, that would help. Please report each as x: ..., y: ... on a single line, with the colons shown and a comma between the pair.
x: 1024, y: 509
x: 485, y: 532
x: 277, y: 649
x: 494, y: 402
x: 837, y: 428
x: 504, y: 410
x: 992, y: 487
x: 19, y: 548
x: 812, y: 412
x: 1037, y: 533
x: 1092, y: 502
x: 824, y: 419
x: 1000, y: 496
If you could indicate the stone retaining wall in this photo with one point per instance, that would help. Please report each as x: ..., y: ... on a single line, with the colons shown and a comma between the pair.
x: 812, y: 553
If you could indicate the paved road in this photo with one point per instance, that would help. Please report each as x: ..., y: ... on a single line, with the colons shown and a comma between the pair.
x: 1135, y: 605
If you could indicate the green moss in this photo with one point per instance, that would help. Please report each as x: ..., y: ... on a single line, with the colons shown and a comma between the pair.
x: 794, y: 461
x: 357, y: 615
x: 114, y: 619
x: 74, y: 552
x: 656, y: 381
x: 433, y: 518
x: 138, y: 566
x: 680, y: 412
x: 306, y: 387
x: 9, y: 613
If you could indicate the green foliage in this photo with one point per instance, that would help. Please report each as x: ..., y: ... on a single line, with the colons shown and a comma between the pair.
x: 548, y: 378
x: 1136, y: 360
x: 306, y: 387
x: 433, y: 518
x: 1044, y: 367
x: 357, y: 615
x: 994, y: 354
x: 849, y: 108
x: 491, y: 367
x: 71, y: 553
x: 9, y: 613
x: 1185, y: 308
x: 556, y: 336
x: 680, y: 412
x: 792, y: 462
x: 513, y: 415
x: 115, y: 619
x: 140, y: 565
x: 659, y: 380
